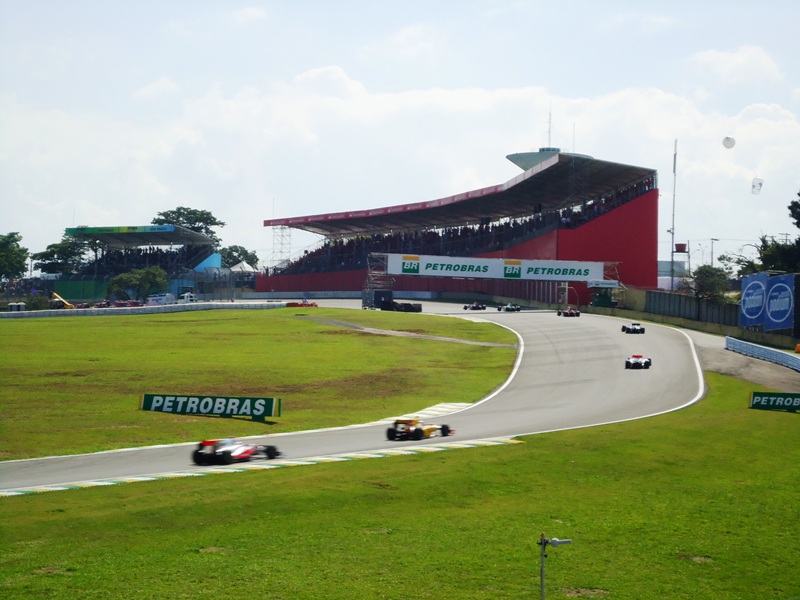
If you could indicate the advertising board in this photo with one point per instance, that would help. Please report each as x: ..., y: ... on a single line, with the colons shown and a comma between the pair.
x: 494, y: 268
x: 255, y: 409
x: 768, y: 302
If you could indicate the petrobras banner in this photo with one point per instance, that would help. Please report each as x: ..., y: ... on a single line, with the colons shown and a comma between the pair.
x: 775, y: 401
x: 255, y: 409
x: 494, y: 268
x: 768, y: 302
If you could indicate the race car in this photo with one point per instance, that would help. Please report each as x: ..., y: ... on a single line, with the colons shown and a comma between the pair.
x: 475, y: 306
x: 637, y: 361
x: 414, y: 429
x: 510, y: 307
x: 230, y: 450
x: 569, y: 312
x: 304, y: 304
x: 633, y: 328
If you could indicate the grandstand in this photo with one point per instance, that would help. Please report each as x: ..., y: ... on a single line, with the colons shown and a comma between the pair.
x: 563, y: 206
x: 187, y: 257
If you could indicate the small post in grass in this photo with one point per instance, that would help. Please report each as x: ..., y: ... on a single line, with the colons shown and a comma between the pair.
x: 543, y: 542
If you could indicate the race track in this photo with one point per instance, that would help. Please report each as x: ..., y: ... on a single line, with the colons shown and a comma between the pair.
x: 569, y: 374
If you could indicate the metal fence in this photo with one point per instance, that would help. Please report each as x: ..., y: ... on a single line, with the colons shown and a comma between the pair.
x: 689, y: 307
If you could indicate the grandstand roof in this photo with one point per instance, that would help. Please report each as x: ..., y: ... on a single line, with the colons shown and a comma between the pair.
x: 142, y: 235
x: 552, y: 182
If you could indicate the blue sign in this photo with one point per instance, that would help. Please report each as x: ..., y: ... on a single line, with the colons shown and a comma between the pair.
x: 768, y: 302
x: 754, y: 300
x: 780, y: 303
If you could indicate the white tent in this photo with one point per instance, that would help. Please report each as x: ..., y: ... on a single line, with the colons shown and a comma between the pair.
x: 243, y: 267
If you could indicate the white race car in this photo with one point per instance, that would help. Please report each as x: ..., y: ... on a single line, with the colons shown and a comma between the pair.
x: 637, y: 361
x: 510, y: 307
x: 230, y: 450
x: 633, y: 328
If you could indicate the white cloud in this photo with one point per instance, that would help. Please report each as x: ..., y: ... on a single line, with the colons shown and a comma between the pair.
x: 748, y: 65
x: 415, y: 41
x: 160, y: 87
x: 634, y: 22
x: 331, y: 112
x: 248, y: 15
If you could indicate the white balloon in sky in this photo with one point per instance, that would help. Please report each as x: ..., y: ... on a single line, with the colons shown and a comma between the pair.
x: 757, y: 183
x: 728, y: 142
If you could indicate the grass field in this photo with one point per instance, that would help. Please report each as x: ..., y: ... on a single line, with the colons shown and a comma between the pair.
x: 699, y: 504
x: 73, y: 384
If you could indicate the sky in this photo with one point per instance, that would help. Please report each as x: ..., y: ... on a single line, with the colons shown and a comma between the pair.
x: 112, y: 112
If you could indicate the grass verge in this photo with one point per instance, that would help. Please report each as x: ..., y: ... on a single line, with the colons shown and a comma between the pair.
x: 698, y: 504
x: 73, y: 385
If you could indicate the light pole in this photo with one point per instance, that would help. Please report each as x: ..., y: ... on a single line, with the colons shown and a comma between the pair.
x: 543, y: 542
x: 712, y: 250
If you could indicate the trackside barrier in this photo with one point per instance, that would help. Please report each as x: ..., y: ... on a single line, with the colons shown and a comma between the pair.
x: 774, y: 356
x: 142, y: 310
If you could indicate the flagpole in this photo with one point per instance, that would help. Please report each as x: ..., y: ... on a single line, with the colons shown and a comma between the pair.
x: 672, y: 230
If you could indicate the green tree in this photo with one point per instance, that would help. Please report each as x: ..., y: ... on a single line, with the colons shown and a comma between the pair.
x: 233, y: 255
x: 13, y: 257
x: 782, y: 258
x: 200, y: 221
x: 711, y: 283
x: 772, y: 255
x: 65, y: 257
x: 794, y: 210
x: 138, y: 284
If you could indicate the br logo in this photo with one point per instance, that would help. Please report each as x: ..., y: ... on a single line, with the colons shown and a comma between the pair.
x: 512, y: 270
x: 410, y: 267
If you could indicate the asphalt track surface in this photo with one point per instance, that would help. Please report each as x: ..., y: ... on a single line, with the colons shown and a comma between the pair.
x: 569, y: 374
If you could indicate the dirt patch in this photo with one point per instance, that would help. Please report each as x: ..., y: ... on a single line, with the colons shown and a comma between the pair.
x: 696, y: 559
x: 759, y: 372
x: 585, y: 592
x: 361, y: 328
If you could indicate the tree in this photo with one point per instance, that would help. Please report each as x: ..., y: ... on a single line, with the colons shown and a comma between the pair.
x: 233, y: 255
x: 794, y: 210
x: 772, y: 256
x: 13, y: 257
x: 65, y: 257
x: 139, y: 283
x: 711, y: 283
x: 782, y: 258
x: 200, y: 221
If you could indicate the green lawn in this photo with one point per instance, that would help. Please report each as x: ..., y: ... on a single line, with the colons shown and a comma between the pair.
x: 696, y: 504
x: 73, y: 385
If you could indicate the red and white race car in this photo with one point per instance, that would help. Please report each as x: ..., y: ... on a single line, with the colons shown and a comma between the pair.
x: 229, y: 451
x: 569, y: 312
x: 637, y: 361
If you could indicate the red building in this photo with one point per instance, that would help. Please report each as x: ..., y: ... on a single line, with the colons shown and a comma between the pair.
x: 562, y: 207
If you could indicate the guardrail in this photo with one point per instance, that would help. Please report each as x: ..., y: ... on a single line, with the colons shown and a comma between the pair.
x: 138, y: 310
x: 774, y: 356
